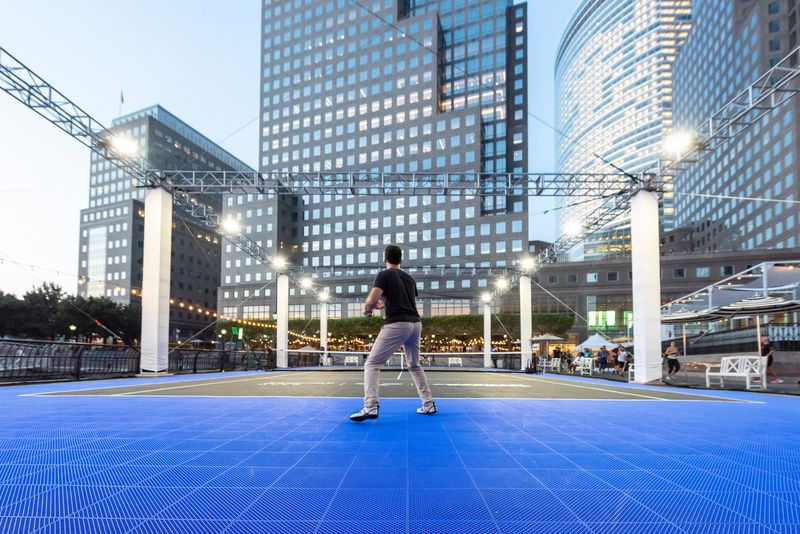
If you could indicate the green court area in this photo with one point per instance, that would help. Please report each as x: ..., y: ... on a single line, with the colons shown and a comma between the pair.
x: 394, y: 384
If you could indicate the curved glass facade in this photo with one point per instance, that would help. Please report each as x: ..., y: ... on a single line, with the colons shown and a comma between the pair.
x: 614, y: 91
x: 732, y: 44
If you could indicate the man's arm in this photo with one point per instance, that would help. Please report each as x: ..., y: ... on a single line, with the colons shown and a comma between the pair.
x: 373, y: 300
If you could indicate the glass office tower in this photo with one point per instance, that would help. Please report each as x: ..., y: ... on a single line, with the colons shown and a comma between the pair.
x: 613, y: 78
x: 112, y: 227
x: 732, y: 43
x: 412, y: 87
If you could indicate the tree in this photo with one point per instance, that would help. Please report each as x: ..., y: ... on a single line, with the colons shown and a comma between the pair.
x: 10, y: 315
x: 40, y: 310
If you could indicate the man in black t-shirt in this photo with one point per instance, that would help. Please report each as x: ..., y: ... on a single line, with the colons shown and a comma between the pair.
x: 396, y: 291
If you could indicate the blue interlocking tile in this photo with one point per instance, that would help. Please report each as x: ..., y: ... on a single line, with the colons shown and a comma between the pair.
x: 212, y: 504
x: 731, y: 528
x: 463, y: 504
x: 759, y: 507
x: 283, y: 445
x: 687, y: 507
x: 273, y: 527
x: 272, y: 459
x: 295, y: 504
x: 171, y: 526
x: 503, y: 478
x: 133, y: 503
x: 326, y: 459
x: 247, y: 477
x: 528, y: 527
x: 633, y: 479
x: 10, y: 494
x: 359, y: 527
x: 493, y: 460
x: 606, y: 506
x: 312, y: 477
x: 376, y: 477
x: 22, y: 525
x: 120, y: 475
x: 635, y: 528
x: 166, y: 458
x: 697, y: 480
x: 57, y: 502
x: 544, y: 461
x: 89, y: 526
x: 536, y: 505
x: 453, y: 527
x: 435, y: 460
x: 524, y: 446
x: 183, y: 476
x: 568, y: 479
x: 375, y: 503
x: 439, y: 477
x: 223, y: 458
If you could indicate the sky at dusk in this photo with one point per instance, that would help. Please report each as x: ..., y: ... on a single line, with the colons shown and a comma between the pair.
x: 198, y: 59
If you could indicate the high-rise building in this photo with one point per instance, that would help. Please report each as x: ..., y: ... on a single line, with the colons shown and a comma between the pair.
x: 613, y: 78
x: 112, y: 227
x: 731, y: 45
x: 414, y: 86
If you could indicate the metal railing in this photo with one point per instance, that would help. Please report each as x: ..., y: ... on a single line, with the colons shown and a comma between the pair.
x: 32, y: 361
x: 187, y: 361
x: 26, y: 361
x: 784, y: 337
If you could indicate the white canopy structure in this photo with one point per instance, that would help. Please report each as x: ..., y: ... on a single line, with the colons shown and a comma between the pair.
x: 594, y: 343
x: 736, y: 296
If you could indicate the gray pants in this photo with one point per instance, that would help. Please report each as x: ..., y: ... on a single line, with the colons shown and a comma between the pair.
x: 391, y: 337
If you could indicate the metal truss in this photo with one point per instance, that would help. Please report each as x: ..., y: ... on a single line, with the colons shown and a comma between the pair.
x: 772, y: 89
x: 395, y: 184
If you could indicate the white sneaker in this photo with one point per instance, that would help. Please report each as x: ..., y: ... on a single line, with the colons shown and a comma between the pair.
x: 365, y: 413
x: 777, y: 381
x: 427, y: 410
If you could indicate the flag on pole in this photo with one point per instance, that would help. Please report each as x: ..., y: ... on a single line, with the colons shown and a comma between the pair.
x: 121, y: 98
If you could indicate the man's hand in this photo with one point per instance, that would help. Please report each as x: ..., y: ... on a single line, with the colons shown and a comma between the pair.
x: 380, y: 304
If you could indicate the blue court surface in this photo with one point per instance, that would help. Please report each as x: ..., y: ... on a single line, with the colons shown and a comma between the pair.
x: 249, y: 464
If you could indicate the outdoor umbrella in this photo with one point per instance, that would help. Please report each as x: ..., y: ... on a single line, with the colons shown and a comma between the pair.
x: 758, y: 305
x: 684, y: 316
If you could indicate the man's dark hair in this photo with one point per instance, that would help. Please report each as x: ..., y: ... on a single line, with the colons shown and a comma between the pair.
x: 393, y: 254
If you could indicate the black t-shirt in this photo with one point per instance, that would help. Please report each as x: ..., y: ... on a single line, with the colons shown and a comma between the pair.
x: 399, y: 292
x: 766, y: 348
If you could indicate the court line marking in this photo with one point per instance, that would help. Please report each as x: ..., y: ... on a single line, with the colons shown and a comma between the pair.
x: 569, y: 383
x: 273, y: 374
x: 652, y: 399
x: 203, y: 382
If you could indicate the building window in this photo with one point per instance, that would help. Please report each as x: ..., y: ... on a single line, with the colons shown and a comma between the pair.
x: 702, y: 272
x: 552, y: 279
x: 679, y: 272
x: 572, y: 278
x: 591, y: 278
x: 613, y: 277
x: 449, y: 307
x: 726, y: 270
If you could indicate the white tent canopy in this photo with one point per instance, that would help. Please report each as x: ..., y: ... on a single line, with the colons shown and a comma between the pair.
x: 594, y: 343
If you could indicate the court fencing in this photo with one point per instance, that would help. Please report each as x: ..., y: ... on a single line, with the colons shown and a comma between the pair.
x: 35, y: 361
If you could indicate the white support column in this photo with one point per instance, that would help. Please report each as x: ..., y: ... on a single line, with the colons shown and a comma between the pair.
x: 487, y: 335
x: 525, y: 320
x: 646, y: 268
x: 282, y: 339
x: 323, y: 331
x: 155, y: 281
